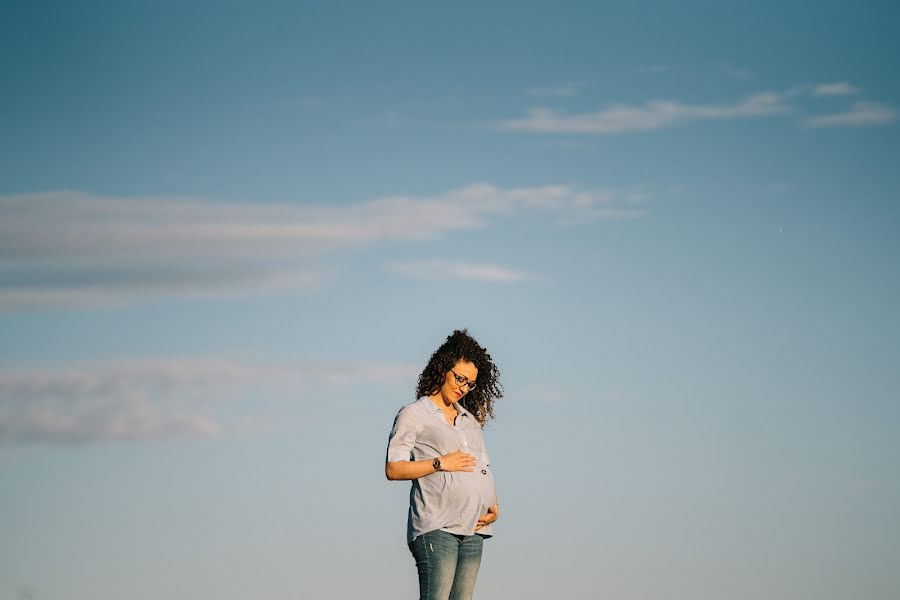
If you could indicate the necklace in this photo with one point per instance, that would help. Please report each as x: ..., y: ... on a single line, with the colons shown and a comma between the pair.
x: 450, y: 415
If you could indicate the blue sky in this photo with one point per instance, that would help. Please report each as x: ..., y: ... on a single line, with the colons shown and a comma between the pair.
x: 232, y: 233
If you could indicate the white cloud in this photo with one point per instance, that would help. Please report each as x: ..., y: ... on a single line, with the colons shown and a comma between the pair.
x: 447, y: 270
x: 651, y: 115
x: 860, y: 114
x: 835, y: 89
x: 562, y: 91
x: 74, y: 249
x: 103, y: 285
x: 158, y: 400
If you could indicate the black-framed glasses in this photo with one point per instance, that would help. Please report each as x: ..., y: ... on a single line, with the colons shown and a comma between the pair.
x: 464, y: 381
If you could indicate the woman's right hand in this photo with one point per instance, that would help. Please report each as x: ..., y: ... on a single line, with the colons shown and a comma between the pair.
x: 457, y: 461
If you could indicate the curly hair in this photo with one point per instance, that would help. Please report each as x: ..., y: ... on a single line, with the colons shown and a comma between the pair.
x: 461, y: 346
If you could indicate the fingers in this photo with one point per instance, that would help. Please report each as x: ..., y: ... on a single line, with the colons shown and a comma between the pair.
x: 463, y: 454
x: 458, y: 461
x: 461, y: 461
x: 460, y: 468
x: 459, y: 454
x: 487, y: 519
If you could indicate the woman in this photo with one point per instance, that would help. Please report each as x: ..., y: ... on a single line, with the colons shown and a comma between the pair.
x: 436, y: 442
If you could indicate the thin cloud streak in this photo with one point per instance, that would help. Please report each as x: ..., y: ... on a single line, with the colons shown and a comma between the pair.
x: 562, y: 91
x: 440, y: 270
x: 861, y: 114
x: 106, y: 286
x: 835, y: 89
x: 656, y: 114
x: 74, y: 249
x: 735, y: 72
x: 130, y: 401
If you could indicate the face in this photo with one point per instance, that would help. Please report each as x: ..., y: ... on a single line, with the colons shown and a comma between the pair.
x: 452, y: 391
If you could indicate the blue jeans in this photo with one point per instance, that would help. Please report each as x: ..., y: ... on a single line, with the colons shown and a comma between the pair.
x: 447, y: 564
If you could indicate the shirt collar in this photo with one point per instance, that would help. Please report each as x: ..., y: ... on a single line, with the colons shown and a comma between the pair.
x: 433, y: 408
x: 462, y: 409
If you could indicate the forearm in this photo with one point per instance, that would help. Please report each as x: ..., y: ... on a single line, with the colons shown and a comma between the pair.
x: 408, y: 469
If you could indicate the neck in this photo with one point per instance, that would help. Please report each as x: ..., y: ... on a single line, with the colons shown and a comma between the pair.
x: 441, y: 402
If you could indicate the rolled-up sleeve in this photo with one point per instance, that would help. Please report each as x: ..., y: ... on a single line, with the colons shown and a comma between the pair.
x: 403, y: 435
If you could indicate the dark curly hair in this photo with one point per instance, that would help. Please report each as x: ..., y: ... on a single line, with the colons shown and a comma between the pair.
x: 461, y: 346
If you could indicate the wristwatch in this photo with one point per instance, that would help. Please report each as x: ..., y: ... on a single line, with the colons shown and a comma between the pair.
x: 436, y: 463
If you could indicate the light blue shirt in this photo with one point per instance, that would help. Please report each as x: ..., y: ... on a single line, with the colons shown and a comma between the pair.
x: 449, y: 501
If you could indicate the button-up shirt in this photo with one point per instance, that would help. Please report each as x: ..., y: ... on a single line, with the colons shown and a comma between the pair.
x: 449, y: 501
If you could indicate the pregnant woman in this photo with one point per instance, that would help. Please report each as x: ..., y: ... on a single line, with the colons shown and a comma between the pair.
x: 436, y: 442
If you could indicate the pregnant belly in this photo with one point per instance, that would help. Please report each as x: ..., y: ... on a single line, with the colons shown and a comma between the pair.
x: 473, y: 492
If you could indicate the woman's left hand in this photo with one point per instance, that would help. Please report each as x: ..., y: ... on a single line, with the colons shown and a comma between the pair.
x: 492, y: 515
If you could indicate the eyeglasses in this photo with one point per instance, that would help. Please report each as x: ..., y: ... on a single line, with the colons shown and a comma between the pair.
x: 463, y: 381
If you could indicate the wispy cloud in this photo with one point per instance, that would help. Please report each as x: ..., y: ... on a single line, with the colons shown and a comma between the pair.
x: 735, y: 72
x: 860, y: 114
x: 561, y: 91
x: 74, y: 249
x: 835, y: 89
x: 651, y: 115
x: 435, y: 270
x: 160, y: 400
x: 102, y: 283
